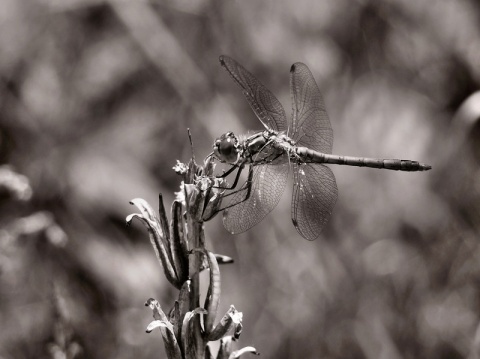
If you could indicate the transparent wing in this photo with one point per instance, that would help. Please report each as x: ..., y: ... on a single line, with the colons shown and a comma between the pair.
x: 265, y: 105
x: 310, y: 124
x: 314, y: 196
x: 267, y: 187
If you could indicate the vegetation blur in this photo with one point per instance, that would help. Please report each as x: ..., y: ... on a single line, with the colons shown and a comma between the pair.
x: 95, y: 101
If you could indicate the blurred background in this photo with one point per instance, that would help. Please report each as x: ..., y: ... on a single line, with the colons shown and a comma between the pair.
x: 95, y: 101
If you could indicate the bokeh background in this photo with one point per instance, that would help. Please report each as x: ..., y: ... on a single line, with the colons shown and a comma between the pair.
x: 95, y: 101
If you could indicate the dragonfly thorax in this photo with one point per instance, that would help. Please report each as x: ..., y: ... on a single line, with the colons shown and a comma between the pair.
x: 227, y: 148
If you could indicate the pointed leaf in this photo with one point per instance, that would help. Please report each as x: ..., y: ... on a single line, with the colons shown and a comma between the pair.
x: 171, y: 345
x: 222, y: 259
x: 208, y: 354
x: 231, y: 319
x: 194, y: 200
x: 213, y: 205
x: 178, y: 242
x: 225, y: 348
x: 208, y: 166
x: 184, y: 298
x: 154, y: 325
x: 187, y: 337
x: 183, y: 306
x: 152, y: 223
x: 145, y: 208
x: 236, y: 354
x: 166, y: 328
x: 193, y: 169
x: 213, y: 294
x: 174, y: 317
x: 163, y: 220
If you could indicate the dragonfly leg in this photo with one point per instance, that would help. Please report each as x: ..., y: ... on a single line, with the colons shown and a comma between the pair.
x: 230, y: 170
x: 237, y: 176
x: 248, y: 188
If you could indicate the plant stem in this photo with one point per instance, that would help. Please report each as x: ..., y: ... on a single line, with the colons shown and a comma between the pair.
x: 197, y: 239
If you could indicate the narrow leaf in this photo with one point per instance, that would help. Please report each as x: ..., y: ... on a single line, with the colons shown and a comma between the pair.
x: 208, y: 354
x: 171, y: 345
x: 175, y: 318
x: 151, y: 221
x: 231, y: 319
x: 208, y: 166
x: 154, y: 325
x: 183, y: 305
x: 225, y: 348
x: 222, y: 259
x: 178, y: 243
x: 187, y: 337
x: 145, y: 208
x: 214, y: 201
x: 184, y: 298
x: 213, y: 294
x: 170, y: 341
x: 163, y: 220
x: 236, y: 354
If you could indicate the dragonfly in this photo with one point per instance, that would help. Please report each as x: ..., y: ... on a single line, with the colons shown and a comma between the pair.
x: 304, y: 144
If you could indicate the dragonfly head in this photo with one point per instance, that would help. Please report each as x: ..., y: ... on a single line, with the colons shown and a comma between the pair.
x: 227, y: 148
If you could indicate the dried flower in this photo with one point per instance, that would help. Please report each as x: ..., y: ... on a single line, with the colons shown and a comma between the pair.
x: 180, y: 248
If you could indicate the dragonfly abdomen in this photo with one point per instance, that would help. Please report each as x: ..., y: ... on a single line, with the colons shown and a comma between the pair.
x: 309, y: 155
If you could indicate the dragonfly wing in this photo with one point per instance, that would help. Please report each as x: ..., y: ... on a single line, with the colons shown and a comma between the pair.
x: 314, y: 196
x: 310, y: 124
x: 265, y: 105
x: 268, y: 184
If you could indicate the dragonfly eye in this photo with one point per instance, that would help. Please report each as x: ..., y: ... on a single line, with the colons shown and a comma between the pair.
x: 226, y: 148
